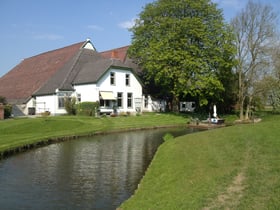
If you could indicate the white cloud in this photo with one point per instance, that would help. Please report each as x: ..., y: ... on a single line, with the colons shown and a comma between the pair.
x: 51, y: 37
x: 95, y: 27
x: 127, y: 24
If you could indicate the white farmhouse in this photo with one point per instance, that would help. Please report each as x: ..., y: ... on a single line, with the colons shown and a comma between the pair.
x: 41, y: 83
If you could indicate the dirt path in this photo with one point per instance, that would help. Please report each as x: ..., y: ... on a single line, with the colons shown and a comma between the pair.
x: 230, y: 198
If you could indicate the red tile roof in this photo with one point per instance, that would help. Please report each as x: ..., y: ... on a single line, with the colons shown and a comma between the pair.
x: 29, y: 75
x: 118, y: 53
x: 121, y: 54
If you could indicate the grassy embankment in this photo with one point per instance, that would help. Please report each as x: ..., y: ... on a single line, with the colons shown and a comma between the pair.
x: 236, y: 167
x: 19, y: 134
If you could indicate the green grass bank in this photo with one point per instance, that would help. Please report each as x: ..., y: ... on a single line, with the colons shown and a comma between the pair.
x: 24, y: 133
x: 235, y: 167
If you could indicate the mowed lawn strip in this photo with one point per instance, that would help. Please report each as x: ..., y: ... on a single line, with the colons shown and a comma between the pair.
x: 20, y: 132
x: 236, y: 167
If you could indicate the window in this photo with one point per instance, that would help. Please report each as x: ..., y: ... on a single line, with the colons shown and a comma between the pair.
x: 112, y: 78
x: 104, y: 103
x: 61, y: 101
x: 127, y: 79
x: 119, y: 100
x: 79, y: 98
x: 129, y: 100
x: 62, y: 96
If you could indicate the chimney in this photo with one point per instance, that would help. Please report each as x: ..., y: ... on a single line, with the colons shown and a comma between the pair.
x: 114, y: 54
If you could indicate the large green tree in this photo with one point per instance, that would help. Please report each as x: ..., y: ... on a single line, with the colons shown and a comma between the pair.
x: 184, y: 48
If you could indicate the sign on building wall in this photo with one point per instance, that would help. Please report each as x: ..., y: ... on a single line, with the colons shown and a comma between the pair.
x: 138, y: 104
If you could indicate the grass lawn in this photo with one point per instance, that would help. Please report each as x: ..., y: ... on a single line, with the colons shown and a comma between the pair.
x: 236, y: 167
x: 16, y: 133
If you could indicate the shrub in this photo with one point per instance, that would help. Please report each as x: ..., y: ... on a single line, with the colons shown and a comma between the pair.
x: 3, y: 100
x: 70, y: 105
x: 7, y: 111
x: 87, y: 108
x: 168, y: 136
x: 7, y: 107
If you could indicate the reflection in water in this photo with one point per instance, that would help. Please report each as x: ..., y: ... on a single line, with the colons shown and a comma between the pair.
x: 90, y: 173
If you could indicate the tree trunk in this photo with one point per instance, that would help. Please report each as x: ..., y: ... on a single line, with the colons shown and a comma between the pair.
x: 175, y: 102
x: 248, y: 108
x: 241, y: 105
x: 241, y: 97
x: 247, y: 112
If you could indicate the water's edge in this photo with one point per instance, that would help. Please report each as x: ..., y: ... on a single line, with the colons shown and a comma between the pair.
x: 53, y: 140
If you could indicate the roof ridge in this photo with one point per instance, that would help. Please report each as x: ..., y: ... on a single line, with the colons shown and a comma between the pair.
x: 78, y: 55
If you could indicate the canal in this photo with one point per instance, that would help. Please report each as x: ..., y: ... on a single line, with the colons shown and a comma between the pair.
x: 98, y: 172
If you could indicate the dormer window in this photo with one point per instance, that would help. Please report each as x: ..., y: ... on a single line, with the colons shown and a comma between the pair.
x: 112, y: 78
x: 127, y: 79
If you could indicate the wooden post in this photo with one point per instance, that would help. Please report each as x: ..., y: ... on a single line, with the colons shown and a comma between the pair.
x: 1, y: 111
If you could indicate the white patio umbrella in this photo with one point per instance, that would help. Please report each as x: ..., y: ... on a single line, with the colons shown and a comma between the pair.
x: 215, y: 111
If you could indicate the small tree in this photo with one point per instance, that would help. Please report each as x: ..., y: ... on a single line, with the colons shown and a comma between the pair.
x: 70, y: 105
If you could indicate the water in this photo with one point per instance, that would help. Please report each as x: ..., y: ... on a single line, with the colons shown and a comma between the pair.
x: 99, y: 172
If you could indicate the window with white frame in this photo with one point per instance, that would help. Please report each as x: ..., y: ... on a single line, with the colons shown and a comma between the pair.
x: 112, y: 78
x: 127, y: 79
x: 79, y: 97
x: 61, y: 102
x: 62, y: 96
x: 120, y: 100
x: 129, y: 100
x: 104, y: 103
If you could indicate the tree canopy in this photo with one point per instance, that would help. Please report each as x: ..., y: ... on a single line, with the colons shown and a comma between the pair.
x: 184, y: 47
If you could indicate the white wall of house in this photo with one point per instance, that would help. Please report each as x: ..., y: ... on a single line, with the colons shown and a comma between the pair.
x: 87, y: 92
x: 48, y: 103
x: 125, y: 82
x: 121, y: 86
x: 29, y: 104
x: 23, y: 109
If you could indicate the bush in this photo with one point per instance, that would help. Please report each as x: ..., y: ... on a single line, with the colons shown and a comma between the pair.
x: 3, y: 100
x: 7, y: 111
x: 7, y: 107
x: 168, y: 136
x: 70, y: 105
x: 87, y: 108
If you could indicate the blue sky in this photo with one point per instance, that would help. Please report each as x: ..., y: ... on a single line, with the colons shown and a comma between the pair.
x: 30, y: 27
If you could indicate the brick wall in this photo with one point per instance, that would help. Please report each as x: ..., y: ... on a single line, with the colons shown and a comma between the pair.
x: 1, y: 111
